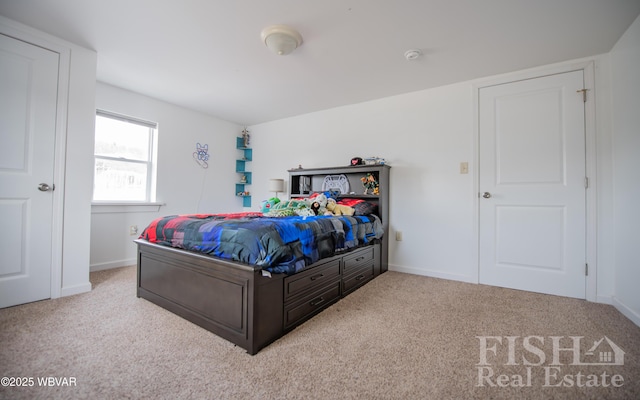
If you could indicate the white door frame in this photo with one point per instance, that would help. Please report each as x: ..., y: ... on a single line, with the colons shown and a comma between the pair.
x: 590, y: 142
x: 60, y: 145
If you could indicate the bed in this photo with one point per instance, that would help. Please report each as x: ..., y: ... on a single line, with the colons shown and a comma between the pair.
x: 250, y: 279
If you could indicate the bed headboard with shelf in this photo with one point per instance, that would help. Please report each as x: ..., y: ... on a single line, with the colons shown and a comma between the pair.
x: 305, y: 181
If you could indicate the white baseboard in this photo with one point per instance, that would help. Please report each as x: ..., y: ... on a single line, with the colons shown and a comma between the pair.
x: 76, y: 289
x: 111, y: 265
x: 626, y: 311
x: 433, y: 274
x: 604, y: 299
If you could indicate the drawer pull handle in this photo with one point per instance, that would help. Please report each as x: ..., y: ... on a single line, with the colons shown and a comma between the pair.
x: 359, y: 277
x: 317, y: 301
x: 359, y: 258
x: 313, y: 278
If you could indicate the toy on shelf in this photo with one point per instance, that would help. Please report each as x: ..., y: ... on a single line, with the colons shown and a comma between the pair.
x: 246, y: 137
x: 370, y: 183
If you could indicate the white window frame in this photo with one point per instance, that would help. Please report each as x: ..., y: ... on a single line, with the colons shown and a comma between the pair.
x: 150, y: 194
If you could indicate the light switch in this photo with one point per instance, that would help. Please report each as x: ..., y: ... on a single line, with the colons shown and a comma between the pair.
x: 464, y: 167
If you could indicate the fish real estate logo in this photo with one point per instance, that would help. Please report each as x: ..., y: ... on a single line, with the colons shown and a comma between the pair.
x: 551, y: 361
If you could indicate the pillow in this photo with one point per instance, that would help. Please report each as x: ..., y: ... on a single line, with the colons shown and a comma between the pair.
x: 349, y: 202
x: 289, y: 208
x: 362, y: 207
x: 365, y: 208
x: 285, y: 212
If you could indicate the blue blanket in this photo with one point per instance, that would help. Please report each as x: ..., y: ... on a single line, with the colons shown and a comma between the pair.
x: 279, y: 245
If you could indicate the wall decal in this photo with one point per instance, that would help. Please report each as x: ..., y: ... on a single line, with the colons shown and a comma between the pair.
x: 201, y: 155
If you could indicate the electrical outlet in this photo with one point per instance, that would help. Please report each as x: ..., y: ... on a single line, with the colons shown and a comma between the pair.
x: 464, y: 167
x: 133, y: 230
x: 399, y: 236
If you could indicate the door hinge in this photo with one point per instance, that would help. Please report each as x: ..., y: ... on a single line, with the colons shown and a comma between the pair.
x: 584, y: 94
x: 586, y: 182
x: 586, y: 269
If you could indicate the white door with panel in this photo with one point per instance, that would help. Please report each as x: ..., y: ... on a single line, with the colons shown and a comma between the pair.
x: 28, y: 98
x: 532, y: 216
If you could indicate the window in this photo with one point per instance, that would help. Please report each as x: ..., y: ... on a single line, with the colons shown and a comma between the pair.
x: 124, y: 169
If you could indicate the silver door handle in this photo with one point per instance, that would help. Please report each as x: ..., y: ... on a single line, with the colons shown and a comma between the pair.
x: 43, y: 187
x: 486, y: 195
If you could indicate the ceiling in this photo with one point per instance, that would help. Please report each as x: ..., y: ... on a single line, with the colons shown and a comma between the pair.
x: 207, y: 55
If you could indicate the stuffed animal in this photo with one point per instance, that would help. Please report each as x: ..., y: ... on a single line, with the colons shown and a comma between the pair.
x: 339, y: 209
x: 315, y: 207
x: 318, y: 203
x: 267, y: 205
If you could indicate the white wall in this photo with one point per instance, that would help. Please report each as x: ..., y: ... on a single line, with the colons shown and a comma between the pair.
x: 74, y: 162
x: 78, y: 172
x: 625, y: 64
x: 183, y: 186
x: 424, y: 136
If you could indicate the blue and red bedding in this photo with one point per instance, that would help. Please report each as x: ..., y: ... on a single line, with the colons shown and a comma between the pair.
x: 278, y: 245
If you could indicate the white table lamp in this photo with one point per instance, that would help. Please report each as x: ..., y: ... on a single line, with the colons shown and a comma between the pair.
x: 276, y: 185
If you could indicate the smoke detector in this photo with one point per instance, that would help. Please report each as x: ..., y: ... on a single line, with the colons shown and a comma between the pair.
x: 412, y: 54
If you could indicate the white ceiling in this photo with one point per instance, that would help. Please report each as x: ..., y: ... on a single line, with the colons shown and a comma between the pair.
x: 207, y: 54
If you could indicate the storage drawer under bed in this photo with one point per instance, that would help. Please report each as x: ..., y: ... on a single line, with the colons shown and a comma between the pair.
x: 358, y: 277
x: 311, y: 304
x: 357, y: 259
x: 296, y: 285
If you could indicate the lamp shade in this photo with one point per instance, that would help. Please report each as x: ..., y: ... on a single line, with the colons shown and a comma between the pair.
x: 276, y: 185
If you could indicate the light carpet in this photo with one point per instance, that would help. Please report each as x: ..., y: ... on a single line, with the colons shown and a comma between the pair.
x: 400, y: 336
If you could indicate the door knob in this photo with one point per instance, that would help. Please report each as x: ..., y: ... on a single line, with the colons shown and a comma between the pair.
x: 43, y: 187
x: 486, y: 195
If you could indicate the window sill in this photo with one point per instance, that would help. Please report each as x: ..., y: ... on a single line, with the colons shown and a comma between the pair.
x: 106, y: 208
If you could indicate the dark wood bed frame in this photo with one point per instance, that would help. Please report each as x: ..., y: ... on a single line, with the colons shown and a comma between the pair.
x: 237, y: 302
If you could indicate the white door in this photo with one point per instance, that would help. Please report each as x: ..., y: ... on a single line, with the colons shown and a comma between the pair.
x: 532, y: 227
x: 28, y: 92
